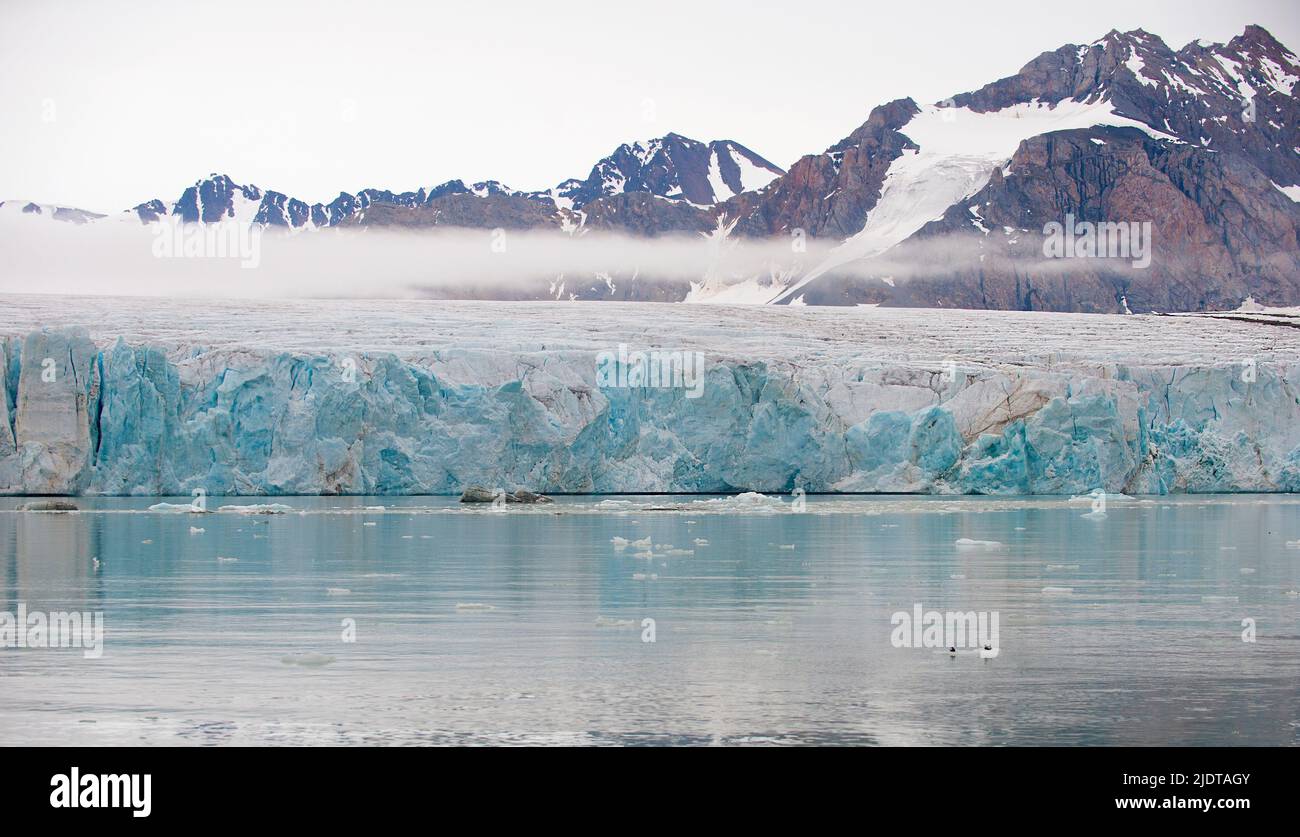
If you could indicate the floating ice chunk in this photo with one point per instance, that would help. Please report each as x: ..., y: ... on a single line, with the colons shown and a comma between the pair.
x: 970, y: 543
x: 786, y: 546
x: 221, y: 559
x: 147, y: 540
x: 1293, y: 544
x: 958, y: 576
x: 1247, y: 570
x: 307, y: 660
x: 370, y: 523
x: 701, y: 541
x: 337, y: 591
x: 257, y: 508
x: 619, y: 543
x: 1095, y: 514
x: 644, y: 543
x: 644, y: 576
x: 1062, y: 567
x: 1058, y: 591
x: 1292, y: 594
x: 1100, y: 495
x: 177, y: 508
x: 474, y: 606
x: 195, y: 530
x: 680, y: 552
x: 644, y: 554
x: 376, y: 508
x: 608, y: 622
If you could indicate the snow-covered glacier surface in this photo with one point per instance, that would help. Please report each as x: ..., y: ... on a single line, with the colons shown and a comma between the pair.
x: 107, y: 395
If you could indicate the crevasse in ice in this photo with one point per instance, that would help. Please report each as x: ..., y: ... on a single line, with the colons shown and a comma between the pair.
x: 130, y: 419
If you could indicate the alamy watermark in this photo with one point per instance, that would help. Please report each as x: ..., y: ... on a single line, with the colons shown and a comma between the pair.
x: 174, y: 239
x: 654, y: 368
x: 953, y: 630
x: 1103, y: 240
x: 55, y: 629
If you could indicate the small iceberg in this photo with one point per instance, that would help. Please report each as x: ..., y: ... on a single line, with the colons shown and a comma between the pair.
x: 177, y: 508
x: 1096, y: 514
x: 337, y: 591
x: 195, y: 530
x: 607, y: 622
x: 701, y: 541
x: 224, y: 560
x: 1058, y: 591
x: 472, y: 606
x: 256, y: 508
x: 970, y: 543
x: 619, y: 543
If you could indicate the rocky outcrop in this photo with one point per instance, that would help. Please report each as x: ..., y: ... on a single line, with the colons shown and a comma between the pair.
x: 828, y: 194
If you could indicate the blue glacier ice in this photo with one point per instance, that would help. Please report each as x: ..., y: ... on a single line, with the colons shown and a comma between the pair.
x: 106, y: 416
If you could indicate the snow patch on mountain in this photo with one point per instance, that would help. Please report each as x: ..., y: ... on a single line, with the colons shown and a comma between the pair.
x: 957, y: 151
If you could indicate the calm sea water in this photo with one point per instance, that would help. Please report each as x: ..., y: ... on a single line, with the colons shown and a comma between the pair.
x: 525, y: 626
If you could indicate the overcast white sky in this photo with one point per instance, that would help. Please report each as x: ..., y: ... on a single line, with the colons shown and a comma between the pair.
x: 106, y: 103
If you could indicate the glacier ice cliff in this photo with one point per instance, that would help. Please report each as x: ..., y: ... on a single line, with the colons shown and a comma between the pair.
x: 834, y: 401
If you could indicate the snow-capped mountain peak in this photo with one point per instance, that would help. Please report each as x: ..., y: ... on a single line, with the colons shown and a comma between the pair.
x: 673, y: 167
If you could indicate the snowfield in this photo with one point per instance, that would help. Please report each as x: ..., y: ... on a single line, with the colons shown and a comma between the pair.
x: 163, y: 396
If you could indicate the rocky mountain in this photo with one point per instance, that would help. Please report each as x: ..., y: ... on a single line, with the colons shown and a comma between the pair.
x: 663, y: 185
x: 1208, y: 155
x: 944, y: 204
x: 673, y: 167
x: 45, y: 210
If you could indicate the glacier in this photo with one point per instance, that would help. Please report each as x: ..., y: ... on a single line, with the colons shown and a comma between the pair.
x: 120, y: 396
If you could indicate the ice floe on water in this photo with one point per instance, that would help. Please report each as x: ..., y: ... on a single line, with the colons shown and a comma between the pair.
x: 474, y: 606
x: 609, y: 622
x: 972, y: 544
x: 178, y: 508
x: 256, y: 508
